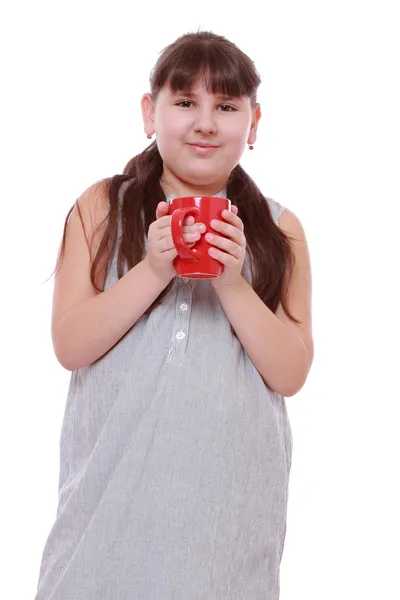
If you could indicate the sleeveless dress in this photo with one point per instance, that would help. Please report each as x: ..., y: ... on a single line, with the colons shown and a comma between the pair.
x: 174, y: 464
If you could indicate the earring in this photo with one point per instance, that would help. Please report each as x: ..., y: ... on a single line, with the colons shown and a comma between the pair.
x: 149, y: 136
x: 251, y: 147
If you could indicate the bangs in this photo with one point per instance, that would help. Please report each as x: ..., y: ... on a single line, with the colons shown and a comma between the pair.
x: 223, y: 71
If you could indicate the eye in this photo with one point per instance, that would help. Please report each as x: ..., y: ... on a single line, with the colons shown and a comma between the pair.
x: 184, y: 103
x: 227, y: 108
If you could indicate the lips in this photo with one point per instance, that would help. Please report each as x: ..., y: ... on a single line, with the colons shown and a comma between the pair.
x: 202, y: 150
x: 203, y: 145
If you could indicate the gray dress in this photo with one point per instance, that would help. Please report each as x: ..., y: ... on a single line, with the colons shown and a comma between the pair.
x: 174, y: 465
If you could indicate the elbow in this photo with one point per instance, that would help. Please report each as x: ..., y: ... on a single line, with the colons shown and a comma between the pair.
x: 286, y: 387
x: 67, y: 359
x: 71, y: 361
x: 289, y: 391
x: 290, y: 388
x: 62, y: 352
x: 300, y: 373
x: 66, y: 352
x: 293, y: 377
x: 68, y: 365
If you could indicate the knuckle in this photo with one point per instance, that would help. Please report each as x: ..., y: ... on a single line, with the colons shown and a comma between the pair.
x: 224, y: 226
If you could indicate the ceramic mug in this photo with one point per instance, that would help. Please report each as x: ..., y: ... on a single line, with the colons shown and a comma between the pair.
x: 195, y: 262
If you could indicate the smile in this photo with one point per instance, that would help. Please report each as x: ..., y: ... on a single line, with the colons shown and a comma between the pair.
x: 204, y: 150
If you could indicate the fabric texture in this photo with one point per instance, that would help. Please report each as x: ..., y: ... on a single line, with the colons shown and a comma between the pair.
x: 174, y: 464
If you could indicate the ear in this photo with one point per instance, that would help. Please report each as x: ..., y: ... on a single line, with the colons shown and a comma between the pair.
x: 254, y: 124
x: 148, y: 113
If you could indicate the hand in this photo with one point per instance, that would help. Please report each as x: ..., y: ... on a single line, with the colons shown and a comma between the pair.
x: 161, y: 250
x: 229, y: 250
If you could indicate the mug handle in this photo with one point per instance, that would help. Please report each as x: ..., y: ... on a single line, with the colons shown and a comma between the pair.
x: 177, y: 233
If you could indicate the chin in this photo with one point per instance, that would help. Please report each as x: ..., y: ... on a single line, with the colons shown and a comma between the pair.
x: 201, y: 176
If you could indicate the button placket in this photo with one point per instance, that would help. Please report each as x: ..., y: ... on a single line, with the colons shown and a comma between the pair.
x: 177, y: 349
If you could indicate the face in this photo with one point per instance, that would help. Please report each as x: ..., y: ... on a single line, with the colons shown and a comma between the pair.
x: 200, y: 136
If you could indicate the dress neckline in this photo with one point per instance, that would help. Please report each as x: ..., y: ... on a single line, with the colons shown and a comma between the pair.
x: 221, y: 194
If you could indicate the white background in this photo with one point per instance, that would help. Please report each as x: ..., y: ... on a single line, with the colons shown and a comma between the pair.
x: 328, y: 148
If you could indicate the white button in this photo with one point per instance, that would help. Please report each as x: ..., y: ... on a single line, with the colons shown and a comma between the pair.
x: 183, y: 306
x: 180, y: 335
x: 185, y: 280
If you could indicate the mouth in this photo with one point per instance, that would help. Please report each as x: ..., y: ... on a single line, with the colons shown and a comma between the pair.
x: 204, y: 145
x: 203, y: 149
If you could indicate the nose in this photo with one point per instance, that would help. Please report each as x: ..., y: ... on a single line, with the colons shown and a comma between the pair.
x: 205, y: 121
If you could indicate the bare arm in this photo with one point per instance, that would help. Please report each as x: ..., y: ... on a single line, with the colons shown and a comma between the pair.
x: 278, y: 353
x: 281, y: 350
x: 87, y: 331
x: 86, y: 323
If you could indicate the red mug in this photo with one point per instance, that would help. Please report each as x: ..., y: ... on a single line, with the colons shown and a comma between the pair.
x: 195, y: 262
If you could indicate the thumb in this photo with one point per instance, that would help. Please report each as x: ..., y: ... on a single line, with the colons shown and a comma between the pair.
x: 162, y: 209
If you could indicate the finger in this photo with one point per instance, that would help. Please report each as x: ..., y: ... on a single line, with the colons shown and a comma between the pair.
x: 223, y: 257
x: 171, y: 254
x: 231, y: 217
x: 225, y: 244
x: 166, y: 243
x: 196, y: 228
x: 234, y: 209
x: 164, y: 221
x: 229, y: 231
x: 162, y: 209
x: 189, y: 220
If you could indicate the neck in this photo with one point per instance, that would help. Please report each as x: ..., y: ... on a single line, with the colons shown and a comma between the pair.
x: 180, y: 188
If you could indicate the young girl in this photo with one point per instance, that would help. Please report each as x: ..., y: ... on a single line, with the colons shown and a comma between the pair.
x: 176, y: 448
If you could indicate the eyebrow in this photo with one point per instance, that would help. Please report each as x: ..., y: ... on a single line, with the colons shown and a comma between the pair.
x: 192, y: 95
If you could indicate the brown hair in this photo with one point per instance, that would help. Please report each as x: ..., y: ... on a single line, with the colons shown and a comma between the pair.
x: 228, y: 71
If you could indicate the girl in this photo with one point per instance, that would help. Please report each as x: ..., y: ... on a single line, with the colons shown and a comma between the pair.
x: 175, y: 447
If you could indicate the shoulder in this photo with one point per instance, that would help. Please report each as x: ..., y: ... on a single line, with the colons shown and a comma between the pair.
x: 299, y: 287
x: 94, y: 200
x: 276, y: 209
x: 286, y: 220
x: 91, y: 210
x: 290, y: 224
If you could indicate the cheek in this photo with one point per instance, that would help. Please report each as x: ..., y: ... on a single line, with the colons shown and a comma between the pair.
x: 170, y: 123
x: 237, y: 133
x: 171, y: 133
x: 235, y: 143
x: 169, y: 141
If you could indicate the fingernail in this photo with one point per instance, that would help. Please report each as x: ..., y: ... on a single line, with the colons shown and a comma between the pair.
x: 201, y: 227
